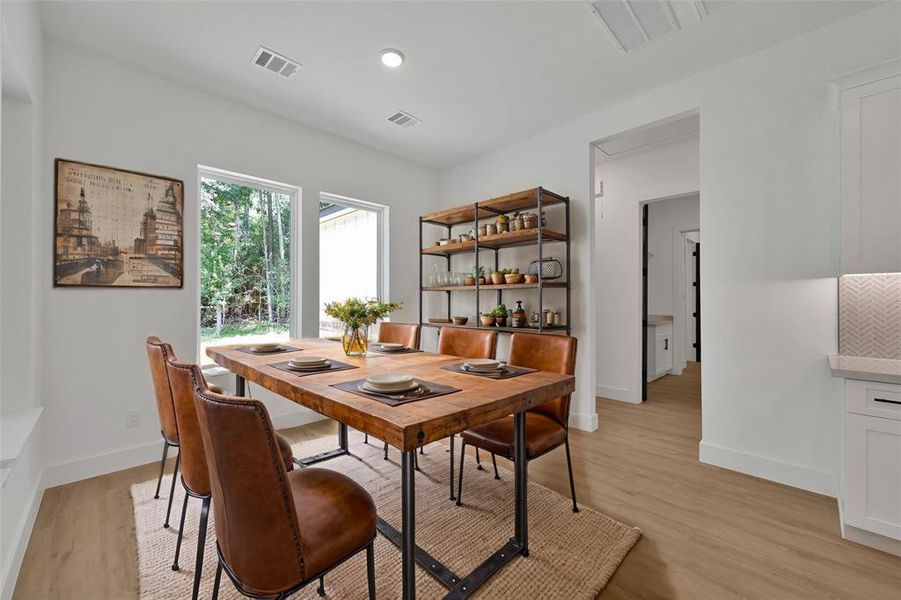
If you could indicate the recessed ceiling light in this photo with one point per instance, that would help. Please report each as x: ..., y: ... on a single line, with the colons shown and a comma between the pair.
x: 392, y: 58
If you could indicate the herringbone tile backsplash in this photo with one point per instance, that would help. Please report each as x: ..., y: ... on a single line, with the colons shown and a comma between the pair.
x: 869, y: 320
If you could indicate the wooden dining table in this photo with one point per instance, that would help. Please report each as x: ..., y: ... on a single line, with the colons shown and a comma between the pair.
x: 408, y: 427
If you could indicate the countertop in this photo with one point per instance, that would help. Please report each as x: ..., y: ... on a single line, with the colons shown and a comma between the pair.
x: 660, y: 319
x: 884, y: 370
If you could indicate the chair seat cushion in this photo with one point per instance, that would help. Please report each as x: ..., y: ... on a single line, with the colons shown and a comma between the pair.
x: 336, y: 517
x: 287, y: 453
x: 542, y: 434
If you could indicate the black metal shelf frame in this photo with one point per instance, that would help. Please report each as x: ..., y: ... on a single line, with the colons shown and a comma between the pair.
x: 478, y: 208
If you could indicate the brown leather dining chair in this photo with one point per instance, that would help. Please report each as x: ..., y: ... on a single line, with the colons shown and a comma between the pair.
x: 195, y: 478
x: 277, y: 531
x: 547, y: 425
x: 466, y: 343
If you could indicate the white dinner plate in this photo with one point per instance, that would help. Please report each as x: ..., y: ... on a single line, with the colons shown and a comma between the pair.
x: 308, y: 360
x: 408, y: 388
x: 482, y: 363
x: 389, y: 382
x: 263, y: 348
x: 392, y: 346
x: 496, y: 369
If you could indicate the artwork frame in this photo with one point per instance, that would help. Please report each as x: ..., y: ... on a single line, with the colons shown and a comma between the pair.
x: 116, y: 228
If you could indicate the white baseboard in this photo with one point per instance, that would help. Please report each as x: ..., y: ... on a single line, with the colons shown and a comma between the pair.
x: 584, y: 422
x: 615, y: 393
x: 22, y: 537
x: 873, y: 540
x: 799, y: 476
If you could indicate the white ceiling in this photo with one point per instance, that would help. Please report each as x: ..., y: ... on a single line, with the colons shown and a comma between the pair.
x: 479, y: 74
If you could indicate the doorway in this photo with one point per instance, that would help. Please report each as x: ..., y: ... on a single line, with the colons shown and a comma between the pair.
x: 670, y: 311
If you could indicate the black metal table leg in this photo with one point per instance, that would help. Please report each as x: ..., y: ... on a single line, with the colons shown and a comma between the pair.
x: 408, y: 526
x: 520, y: 464
x: 240, y: 386
x: 341, y: 450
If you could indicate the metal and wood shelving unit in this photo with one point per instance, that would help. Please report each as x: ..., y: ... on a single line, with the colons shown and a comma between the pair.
x: 537, y: 199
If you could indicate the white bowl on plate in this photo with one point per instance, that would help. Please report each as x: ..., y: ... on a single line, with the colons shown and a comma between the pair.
x: 391, y: 346
x: 303, y: 361
x: 399, y: 390
x: 482, y: 364
x: 389, y: 382
x: 266, y: 347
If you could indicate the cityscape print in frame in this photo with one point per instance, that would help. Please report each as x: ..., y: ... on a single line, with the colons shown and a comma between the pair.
x: 116, y: 228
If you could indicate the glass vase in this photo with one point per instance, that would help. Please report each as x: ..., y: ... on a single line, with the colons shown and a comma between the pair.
x: 355, y: 340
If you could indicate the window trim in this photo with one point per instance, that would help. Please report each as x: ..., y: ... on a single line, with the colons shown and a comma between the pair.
x: 296, y: 194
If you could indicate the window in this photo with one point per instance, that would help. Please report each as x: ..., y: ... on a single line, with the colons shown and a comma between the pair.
x: 245, y: 260
x: 351, y: 253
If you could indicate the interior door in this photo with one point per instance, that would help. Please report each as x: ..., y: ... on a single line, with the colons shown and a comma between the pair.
x: 644, y: 303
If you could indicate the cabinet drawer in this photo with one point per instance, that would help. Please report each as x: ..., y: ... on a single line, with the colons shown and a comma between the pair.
x: 874, y: 399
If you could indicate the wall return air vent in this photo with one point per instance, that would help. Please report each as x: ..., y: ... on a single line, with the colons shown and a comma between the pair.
x: 404, y: 119
x: 275, y: 62
x: 633, y: 23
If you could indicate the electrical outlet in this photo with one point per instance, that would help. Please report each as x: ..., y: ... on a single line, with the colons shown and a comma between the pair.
x: 132, y: 418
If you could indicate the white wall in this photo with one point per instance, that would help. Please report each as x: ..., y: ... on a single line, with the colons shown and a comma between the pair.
x: 93, y: 356
x: 666, y: 171
x: 21, y: 79
x: 769, y: 150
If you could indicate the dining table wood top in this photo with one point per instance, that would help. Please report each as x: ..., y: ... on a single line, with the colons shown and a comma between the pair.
x: 405, y: 426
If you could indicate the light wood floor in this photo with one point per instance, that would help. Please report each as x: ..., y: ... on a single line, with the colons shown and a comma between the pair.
x: 708, y: 532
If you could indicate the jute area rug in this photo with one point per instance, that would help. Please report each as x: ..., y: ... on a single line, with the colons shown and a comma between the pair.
x: 572, y: 556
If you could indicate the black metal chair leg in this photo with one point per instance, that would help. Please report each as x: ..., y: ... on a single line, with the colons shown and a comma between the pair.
x: 479, y: 461
x: 370, y: 569
x: 201, y: 546
x: 321, y: 589
x: 494, y: 461
x: 172, y: 491
x: 421, y: 450
x: 572, y: 483
x: 156, y: 495
x: 217, y: 580
x: 181, y: 531
x: 365, y: 438
x: 460, y: 484
x: 452, y: 467
x: 386, y: 450
x: 415, y: 461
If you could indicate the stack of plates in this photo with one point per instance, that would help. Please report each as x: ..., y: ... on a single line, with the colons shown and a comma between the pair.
x: 483, y: 365
x: 267, y: 347
x: 392, y: 347
x: 390, y: 383
x: 308, y: 363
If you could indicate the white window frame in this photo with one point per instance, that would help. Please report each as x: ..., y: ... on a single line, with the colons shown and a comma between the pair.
x: 295, y: 193
x: 381, y: 212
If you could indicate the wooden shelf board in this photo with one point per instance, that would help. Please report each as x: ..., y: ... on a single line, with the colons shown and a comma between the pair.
x: 552, y: 329
x: 489, y: 287
x: 489, y: 209
x: 508, y: 239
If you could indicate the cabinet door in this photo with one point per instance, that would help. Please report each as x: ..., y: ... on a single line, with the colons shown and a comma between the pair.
x: 873, y: 474
x: 871, y: 178
x: 664, y: 347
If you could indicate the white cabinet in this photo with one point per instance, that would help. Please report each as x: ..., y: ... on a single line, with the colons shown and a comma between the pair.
x: 660, y: 349
x: 870, y: 175
x: 871, y: 486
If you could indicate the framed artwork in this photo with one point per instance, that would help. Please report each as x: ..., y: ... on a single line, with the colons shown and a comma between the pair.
x: 116, y: 228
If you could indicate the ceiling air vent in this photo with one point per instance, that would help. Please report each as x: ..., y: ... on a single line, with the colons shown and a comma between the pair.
x: 275, y: 62
x: 634, y: 23
x: 404, y: 119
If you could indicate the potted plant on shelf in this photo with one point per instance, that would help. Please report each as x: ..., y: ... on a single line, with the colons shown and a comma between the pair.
x: 487, y: 318
x: 356, y: 315
x: 500, y: 315
x: 497, y: 278
x: 480, y: 273
x: 513, y: 276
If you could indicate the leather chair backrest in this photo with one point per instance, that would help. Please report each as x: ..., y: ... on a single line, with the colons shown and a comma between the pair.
x: 159, y: 353
x: 256, y: 522
x: 194, y: 473
x: 554, y: 353
x: 468, y: 343
x: 400, y: 333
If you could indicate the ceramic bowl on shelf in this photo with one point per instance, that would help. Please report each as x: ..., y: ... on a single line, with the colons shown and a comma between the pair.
x: 531, y: 278
x: 487, y: 320
x: 460, y: 320
x: 512, y: 278
x: 497, y: 278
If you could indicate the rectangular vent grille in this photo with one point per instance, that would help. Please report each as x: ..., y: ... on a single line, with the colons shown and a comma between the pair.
x: 404, y: 119
x: 632, y: 24
x: 275, y: 62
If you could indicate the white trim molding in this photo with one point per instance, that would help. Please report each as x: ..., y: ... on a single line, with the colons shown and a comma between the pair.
x: 584, y: 422
x: 616, y: 393
x: 22, y: 537
x: 799, y: 476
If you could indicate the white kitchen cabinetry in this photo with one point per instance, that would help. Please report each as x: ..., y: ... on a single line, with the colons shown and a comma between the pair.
x: 871, y: 483
x: 870, y: 173
x: 660, y: 349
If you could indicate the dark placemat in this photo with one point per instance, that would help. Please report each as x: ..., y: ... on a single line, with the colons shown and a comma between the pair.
x: 432, y: 390
x: 284, y: 348
x: 334, y: 366
x: 507, y: 372
x: 376, y: 347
